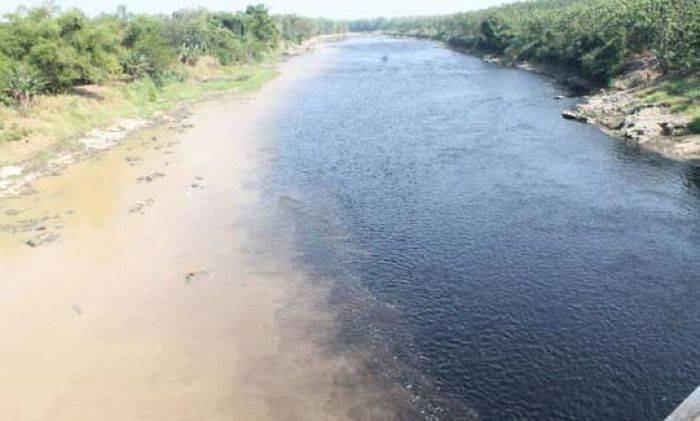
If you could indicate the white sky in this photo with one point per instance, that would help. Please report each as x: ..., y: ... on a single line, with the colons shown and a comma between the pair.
x: 336, y: 9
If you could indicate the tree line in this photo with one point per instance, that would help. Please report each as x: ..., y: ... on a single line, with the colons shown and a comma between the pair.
x: 595, y: 38
x: 45, y: 50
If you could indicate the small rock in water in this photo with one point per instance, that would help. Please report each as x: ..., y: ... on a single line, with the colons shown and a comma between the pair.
x: 573, y: 115
x: 191, y: 275
x: 132, y: 160
x: 674, y: 128
x: 613, y: 122
x: 150, y: 177
x: 558, y: 97
x: 42, y: 239
x: 78, y: 310
x: 138, y: 208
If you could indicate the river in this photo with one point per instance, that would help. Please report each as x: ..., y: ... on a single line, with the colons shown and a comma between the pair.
x: 497, y: 260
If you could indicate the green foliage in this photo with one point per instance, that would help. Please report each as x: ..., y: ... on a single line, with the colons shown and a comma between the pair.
x: 261, y: 26
x: 20, y: 82
x: 694, y: 126
x: 594, y: 38
x: 297, y: 29
x: 147, y: 51
x: 65, y: 50
x: 42, y: 49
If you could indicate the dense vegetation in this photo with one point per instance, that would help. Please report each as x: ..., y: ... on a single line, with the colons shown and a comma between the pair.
x: 594, y: 38
x: 44, y: 50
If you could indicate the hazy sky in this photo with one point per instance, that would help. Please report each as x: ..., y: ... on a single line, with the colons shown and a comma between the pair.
x: 337, y: 9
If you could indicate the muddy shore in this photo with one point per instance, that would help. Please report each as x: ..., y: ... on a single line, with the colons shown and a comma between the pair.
x: 136, y: 287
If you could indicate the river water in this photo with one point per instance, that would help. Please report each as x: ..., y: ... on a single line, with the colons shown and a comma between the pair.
x: 496, y: 260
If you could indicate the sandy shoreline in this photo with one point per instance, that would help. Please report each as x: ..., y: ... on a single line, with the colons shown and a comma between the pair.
x: 156, y: 301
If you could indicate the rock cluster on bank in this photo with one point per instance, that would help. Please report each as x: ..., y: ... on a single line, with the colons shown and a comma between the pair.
x: 622, y: 113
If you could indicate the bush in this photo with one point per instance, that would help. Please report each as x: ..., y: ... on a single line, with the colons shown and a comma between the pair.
x: 21, y: 83
x: 148, y: 52
x: 44, y: 50
x: 694, y: 126
x: 65, y: 49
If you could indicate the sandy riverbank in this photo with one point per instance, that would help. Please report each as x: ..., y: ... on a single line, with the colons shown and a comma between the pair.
x: 139, y: 290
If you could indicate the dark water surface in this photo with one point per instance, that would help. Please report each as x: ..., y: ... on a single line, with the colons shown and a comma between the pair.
x: 504, y: 260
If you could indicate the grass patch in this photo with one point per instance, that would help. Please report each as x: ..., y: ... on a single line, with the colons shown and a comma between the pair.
x: 59, y: 120
x: 681, y: 95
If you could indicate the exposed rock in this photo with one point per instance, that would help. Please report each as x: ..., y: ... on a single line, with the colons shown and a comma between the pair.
x: 623, y: 114
x: 149, y: 178
x: 573, y: 115
x: 132, y: 160
x: 11, y: 171
x: 109, y: 137
x: 194, y: 274
x: 42, y: 239
x: 614, y: 122
x: 677, y: 127
x: 138, y: 208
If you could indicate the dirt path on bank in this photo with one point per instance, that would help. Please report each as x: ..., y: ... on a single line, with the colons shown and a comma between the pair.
x: 131, y: 289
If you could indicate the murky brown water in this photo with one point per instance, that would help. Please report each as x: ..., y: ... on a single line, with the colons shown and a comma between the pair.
x: 153, y: 300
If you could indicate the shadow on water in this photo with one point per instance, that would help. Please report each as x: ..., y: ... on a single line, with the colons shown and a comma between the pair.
x: 693, y: 178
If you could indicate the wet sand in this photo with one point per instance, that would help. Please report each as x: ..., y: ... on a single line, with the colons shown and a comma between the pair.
x: 153, y: 300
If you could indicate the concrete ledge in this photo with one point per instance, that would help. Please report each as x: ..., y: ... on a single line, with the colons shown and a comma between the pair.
x: 689, y: 410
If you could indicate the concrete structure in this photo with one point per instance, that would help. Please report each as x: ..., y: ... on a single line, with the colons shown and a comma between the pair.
x: 689, y: 410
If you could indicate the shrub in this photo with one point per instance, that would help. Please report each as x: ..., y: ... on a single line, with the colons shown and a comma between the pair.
x: 694, y: 126
x: 44, y: 50
x: 21, y: 83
